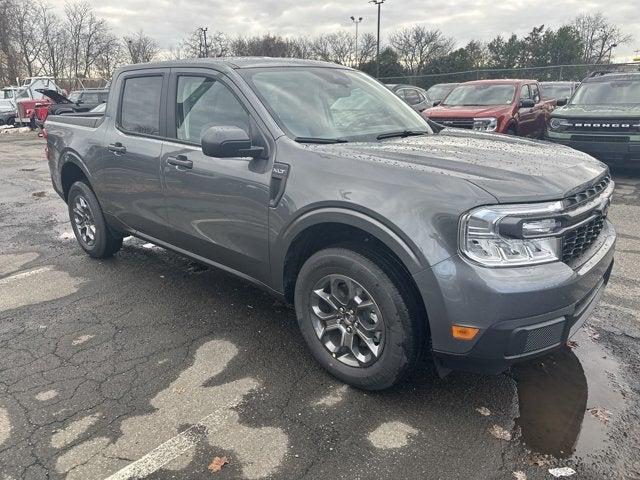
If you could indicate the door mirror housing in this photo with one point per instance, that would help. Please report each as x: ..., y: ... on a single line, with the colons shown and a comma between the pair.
x: 228, y: 142
x: 527, y: 103
x: 561, y: 102
x: 437, y: 102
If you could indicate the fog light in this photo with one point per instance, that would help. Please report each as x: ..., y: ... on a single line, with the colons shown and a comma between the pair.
x: 464, y: 333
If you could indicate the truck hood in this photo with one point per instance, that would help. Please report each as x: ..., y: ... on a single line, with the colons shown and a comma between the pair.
x: 599, y: 111
x: 54, y: 95
x: 467, y: 112
x: 509, y: 168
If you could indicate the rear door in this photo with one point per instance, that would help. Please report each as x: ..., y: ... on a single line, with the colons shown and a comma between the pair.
x: 217, y: 207
x: 130, y: 174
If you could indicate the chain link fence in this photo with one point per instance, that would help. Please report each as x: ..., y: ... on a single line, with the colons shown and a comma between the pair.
x: 548, y: 73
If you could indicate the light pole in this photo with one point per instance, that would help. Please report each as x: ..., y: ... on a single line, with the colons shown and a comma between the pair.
x: 356, y: 21
x: 613, y: 45
x: 206, y: 47
x: 378, y: 3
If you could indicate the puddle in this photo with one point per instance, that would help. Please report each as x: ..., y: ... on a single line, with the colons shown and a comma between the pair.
x: 555, y: 393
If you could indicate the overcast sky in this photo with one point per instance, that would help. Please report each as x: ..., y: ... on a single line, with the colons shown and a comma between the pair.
x: 169, y: 20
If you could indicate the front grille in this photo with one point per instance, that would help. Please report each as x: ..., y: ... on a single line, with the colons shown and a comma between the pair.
x: 577, y: 241
x: 588, y: 193
x: 600, y: 138
x: 602, y: 126
x: 543, y: 337
x: 454, y: 122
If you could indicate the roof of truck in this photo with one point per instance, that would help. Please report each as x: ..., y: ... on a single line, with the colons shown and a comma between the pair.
x: 612, y: 76
x: 235, y: 63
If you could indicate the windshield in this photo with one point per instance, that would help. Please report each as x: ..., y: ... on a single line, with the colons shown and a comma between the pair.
x: 480, y: 95
x: 619, y: 92
x: 551, y: 92
x: 328, y: 103
x: 438, y: 92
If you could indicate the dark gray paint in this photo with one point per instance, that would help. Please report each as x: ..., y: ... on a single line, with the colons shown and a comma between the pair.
x: 409, y: 193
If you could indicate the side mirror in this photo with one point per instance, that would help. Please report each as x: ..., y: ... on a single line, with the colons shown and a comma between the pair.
x: 527, y: 103
x: 562, y: 102
x: 228, y: 142
x: 437, y: 102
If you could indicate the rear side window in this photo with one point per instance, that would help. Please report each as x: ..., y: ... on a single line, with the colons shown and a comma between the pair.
x: 140, y: 108
x: 90, y: 98
x: 412, y: 96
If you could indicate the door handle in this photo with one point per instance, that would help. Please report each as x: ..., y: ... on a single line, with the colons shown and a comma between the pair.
x: 117, y: 148
x: 180, y: 161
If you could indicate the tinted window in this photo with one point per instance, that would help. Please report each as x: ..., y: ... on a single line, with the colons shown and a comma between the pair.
x: 203, y: 102
x: 524, y: 93
x: 141, y: 105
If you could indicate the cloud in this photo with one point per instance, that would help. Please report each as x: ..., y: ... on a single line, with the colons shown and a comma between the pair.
x: 170, y: 20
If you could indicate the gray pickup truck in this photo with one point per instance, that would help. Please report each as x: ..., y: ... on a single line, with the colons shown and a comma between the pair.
x: 390, y: 236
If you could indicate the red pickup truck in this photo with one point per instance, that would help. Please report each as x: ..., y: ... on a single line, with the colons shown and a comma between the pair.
x: 514, y: 107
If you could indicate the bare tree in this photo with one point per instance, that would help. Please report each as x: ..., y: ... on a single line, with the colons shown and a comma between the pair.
x: 598, y: 37
x: 9, y: 56
x: 417, y: 46
x: 141, y: 47
x: 28, y: 36
x: 366, y: 48
x: 55, y: 42
x: 192, y: 46
x: 89, y: 37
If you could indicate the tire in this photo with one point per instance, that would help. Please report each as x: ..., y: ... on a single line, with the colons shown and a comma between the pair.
x: 512, y: 131
x: 89, y: 226
x: 398, y: 331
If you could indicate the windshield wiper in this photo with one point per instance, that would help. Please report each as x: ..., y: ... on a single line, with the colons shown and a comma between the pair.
x: 319, y: 140
x: 401, y: 133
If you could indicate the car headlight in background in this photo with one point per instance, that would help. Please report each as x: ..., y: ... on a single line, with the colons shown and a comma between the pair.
x: 559, y: 124
x: 489, y: 124
x: 511, y: 235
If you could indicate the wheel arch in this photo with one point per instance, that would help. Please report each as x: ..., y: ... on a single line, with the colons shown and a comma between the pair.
x: 325, y: 227
x: 72, y: 169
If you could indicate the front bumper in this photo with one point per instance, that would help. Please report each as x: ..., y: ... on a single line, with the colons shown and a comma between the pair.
x: 600, y: 146
x: 521, y: 312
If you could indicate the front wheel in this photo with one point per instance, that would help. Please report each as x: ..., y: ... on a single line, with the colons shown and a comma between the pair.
x: 355, y: 320
x: 88, y: 223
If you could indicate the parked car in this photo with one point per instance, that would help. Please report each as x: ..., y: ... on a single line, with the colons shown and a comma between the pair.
x: 387, y: 236
x: 29, y: 95
x: 59, y: 104
x: 415, y: 96
x: 7, y: 112
x: 439, y: 91
x: 559, y: 91
x: 514, y: 107
x: 602, y: 118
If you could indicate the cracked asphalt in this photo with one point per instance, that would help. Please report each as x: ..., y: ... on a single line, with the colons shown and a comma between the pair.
x: 149, y: 365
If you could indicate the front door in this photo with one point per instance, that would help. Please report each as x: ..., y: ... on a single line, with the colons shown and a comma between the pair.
x: 217, y: 207
x: 526, y: 116
x: 130, y: 172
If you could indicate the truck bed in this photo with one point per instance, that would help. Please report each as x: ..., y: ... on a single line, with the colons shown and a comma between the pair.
x: 88, y: 119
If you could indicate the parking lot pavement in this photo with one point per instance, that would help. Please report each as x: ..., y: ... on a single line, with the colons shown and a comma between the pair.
x: 149, y: 366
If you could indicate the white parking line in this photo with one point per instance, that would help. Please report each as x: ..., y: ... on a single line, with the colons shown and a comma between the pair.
x: 172, y: 448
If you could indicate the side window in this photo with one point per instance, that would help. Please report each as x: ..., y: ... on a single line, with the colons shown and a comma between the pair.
x: 140, y: 109
x: 90, y: 97
x: 103, y: 97
x: 204, y: 102
x: 524, y: 92
x: 535, y: 93
x: 412, y: 96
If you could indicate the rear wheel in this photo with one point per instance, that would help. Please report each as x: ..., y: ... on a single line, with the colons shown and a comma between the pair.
x: 88, y: 223
x: 354, y: 319
x: 512, y: 131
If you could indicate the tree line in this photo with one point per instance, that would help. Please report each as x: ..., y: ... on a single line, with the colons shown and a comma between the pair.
x: 34, y: 40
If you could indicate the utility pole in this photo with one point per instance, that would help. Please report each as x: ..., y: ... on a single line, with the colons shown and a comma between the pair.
x: 378, y: 3
x: 206, y: 47
x: 356, y: 21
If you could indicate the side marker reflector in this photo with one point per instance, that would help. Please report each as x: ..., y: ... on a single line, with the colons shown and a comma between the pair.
x: 464, y: 333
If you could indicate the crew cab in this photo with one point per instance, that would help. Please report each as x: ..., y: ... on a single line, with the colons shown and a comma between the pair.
x: 515, y: 107
x: 602, y: 118
x: 389, y: 235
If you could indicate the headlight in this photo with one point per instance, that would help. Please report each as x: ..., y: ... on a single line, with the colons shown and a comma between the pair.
x: 559, y: 124
x: 511, y: 235
x: 485, y: 124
